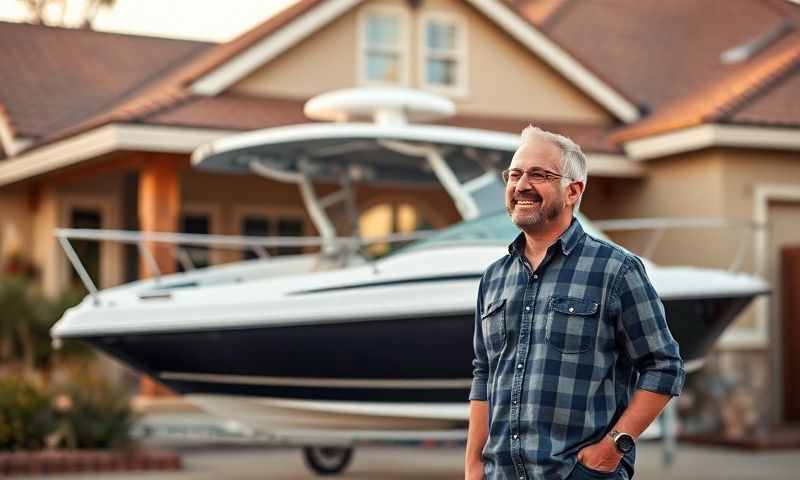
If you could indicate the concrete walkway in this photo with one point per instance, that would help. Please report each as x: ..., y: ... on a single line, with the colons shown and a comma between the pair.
x: 206, y: 462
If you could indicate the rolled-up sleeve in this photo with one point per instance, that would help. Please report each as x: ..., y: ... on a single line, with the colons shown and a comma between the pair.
x: 643, y: 332
x: 480, y: 372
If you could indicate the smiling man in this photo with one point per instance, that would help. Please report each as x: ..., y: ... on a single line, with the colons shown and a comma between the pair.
x: 573, y: 357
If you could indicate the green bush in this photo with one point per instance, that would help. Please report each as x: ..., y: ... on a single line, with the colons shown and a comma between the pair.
x: 26, y: 418
x: 85, y: 414
x: 94, y: 414
x: 81, y: 413
x: 25, y: 320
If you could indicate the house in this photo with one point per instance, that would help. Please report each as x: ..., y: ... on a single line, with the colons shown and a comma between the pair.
x: 684, y: 110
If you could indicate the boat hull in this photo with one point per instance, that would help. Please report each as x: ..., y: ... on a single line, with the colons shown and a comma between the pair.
x: 413, y: 360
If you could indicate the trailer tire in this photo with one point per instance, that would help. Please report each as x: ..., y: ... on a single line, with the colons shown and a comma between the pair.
x: 327, y: 460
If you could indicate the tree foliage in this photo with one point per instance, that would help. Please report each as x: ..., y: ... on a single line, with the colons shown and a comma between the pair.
x: 41, y: 11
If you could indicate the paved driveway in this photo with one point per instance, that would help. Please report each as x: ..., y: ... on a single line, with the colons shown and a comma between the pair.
x: 204, y: 462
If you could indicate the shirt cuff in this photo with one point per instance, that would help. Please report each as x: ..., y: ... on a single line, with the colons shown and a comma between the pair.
x: 665, y: 383
x: 478, y: 390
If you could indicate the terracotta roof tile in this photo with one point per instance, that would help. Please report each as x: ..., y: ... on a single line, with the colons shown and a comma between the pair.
x: 719, y: 102
x: 237, y: 112
x: 51, y: 78
x: 172, y: 88
x: 660, y: 54
x: 233, y: 112
x: 591, y: 137
x: 656, y: 52
x: 779, y: 105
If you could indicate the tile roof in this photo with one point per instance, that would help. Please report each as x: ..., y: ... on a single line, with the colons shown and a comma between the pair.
x: 228, y: 111
x: 663, y: 55
x: 239, y: 112
x: 51, y: 78
x: 755, y: 90
x: 778, y: 106
x: 172, y: 88
x: 656, y: 52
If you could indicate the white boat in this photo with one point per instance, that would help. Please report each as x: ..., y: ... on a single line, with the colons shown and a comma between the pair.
x: 375, y: 349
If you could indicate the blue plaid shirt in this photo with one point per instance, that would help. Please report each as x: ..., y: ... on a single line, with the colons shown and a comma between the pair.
x: 560, y: 350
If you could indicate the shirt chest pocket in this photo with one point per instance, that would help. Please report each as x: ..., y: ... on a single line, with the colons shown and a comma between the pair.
x: 572, y: 324
x: 493, y: 325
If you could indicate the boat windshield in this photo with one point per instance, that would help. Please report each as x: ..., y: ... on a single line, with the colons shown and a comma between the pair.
x: 496, y: 228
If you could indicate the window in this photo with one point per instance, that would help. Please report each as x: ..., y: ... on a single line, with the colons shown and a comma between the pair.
x: 199, y: 255
x: 383, y: 39
x: 88, y: 250
x: 254, y: 226
x: 265, y: 226
x: 388, y: 218
x: 443, y: 53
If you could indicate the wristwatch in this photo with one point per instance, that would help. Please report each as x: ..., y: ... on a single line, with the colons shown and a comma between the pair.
x: 622, y: 440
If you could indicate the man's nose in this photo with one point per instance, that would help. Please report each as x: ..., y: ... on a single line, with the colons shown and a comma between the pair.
x: 524, y: 187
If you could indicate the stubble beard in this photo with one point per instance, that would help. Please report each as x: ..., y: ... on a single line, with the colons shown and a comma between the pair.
x: 531, y: 222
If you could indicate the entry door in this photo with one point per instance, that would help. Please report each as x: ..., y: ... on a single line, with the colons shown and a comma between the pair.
x: 790, y: 292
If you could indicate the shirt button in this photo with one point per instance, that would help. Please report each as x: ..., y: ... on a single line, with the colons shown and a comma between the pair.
x: 535, y: 276
x: 571, y: 309
x: 528, y: 309
x: 519, y: 365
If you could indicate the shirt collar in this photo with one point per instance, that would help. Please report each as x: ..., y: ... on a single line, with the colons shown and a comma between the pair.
x: 568, y: 240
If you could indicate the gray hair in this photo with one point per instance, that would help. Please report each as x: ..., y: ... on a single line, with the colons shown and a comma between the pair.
x: 573, y: 161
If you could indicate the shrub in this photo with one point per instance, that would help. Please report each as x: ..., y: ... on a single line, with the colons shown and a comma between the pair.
x: 26, y: 418
x: 25, y: 320
x: 93, y: 414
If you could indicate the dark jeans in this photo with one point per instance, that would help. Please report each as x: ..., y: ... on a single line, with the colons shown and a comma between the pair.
x: 582, y: 472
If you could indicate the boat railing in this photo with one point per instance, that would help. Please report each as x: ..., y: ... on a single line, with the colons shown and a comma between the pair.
x: 342, y: 247
x: 659, y: 227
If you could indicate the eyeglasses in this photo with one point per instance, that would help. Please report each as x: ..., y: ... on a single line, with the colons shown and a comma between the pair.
x: 535, y: 175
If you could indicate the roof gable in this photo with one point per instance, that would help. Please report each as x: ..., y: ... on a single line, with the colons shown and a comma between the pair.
x: 228, y: 64
x: 56, y: 77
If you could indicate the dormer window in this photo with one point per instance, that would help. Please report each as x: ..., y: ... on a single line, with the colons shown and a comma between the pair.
x: 443, y: 54
x: 384, y: 60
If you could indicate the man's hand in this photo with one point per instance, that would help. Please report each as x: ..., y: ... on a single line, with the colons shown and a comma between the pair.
x: 602, y: 456
x: 474, y: 470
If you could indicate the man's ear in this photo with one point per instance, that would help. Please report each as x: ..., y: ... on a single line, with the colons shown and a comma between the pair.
x: 574, y: 191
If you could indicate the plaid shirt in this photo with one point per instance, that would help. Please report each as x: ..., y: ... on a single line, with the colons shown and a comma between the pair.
x: 560, y: 350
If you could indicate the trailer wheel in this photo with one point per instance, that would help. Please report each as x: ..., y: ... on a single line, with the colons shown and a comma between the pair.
x: 327, y: 460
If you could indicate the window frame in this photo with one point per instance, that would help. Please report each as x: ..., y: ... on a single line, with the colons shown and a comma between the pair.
x: 460, y: 54
x: 111, y: 272
x: 273, y: 214
x: 403, y: 50
x: 213, y: 211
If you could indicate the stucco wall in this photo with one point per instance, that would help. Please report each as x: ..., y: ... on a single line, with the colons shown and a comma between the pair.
x: 504, y: 78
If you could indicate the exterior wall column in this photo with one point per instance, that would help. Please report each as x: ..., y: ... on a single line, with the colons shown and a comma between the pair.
x: 158, y: 210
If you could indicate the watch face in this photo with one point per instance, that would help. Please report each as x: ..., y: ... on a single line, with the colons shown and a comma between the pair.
x: 624, y: 443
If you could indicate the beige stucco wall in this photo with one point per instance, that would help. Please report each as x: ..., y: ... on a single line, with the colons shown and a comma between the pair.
x: 37, y: 210
x: 504, y: 78
x: 717, y: 183
x: 689, y: 185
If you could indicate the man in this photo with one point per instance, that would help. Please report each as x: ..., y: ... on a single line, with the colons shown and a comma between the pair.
x: 573, y: 357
